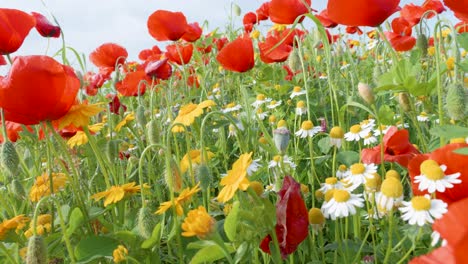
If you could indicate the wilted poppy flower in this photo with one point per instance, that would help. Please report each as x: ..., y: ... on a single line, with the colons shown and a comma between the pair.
x: 361, y: 12
x: 147, y: 53
x: 166, y: 25
x: 435, y: 5
x: 459, y: 7
x: 237, y: 55
x: 263, y: 12
x: 133, y: 84
x: 325, y: 19
x: 179, y: 53
x: 397, y: 148
x: 271, y: 52
x: 114, y: 105
x: 286, y: 11
x: 192, y: 33
x: 292, y: 220
x: 44, y: 27
x: 15, y: 26
x: 36, y: 89
x: 456, y: 163
x: 159, y: 69
x: 353, y: 30
x: 108, y: 55
x: 249, y: 20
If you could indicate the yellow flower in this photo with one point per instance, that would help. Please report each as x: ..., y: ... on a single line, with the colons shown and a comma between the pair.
x: 450, y: 63
x: 127, y: 118
x: 183, y: 197
x: 431, y: 51
x: 236, y: 178
x: 277, y: 27
x: 41, y: 186
x: 194, y: 157
x: 17, y: 222
x: 43, y: 225
x: 189, y: 112
x: 255, y: 34
x: 120, y: 254
x: 80, y: 114
x: 198, y: 223
x: 116, y: 193
x: 96, y: 127
x: 78, y: 139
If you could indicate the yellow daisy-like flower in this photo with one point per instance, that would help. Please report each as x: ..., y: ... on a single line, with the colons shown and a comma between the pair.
x: 183, y: 197
x: 80, y: 114
x: 194, y: 157
x: 189, y: 112
x: 17, y: 222
x: 80, y: 137
x: 198, y: 223
x: 236, y: 178
x: 120, y: 254
x: 41, y: 187
x: 116, y: 193
x: 127, y: 118
x: 44, y: 222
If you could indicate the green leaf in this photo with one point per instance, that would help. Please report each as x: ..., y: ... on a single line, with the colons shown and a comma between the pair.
x: 386, y: 114
x: 230, y: 224
x: 449, y: 131
x: 348, y: 157
x: 126, y: 236
x: 76, y: 219
x: 324, y: 145
x: 210, y: 254
x: 390, y: 87
x: 463, y: 40
x: 463, y: 151
x: 154, y: 239
x: 94, y: 247
x: 464, y: 65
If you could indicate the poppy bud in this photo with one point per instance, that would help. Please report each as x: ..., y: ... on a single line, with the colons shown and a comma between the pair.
x: 281, y: 136
x: 422, y: 44
x: 366, y: 93
x: 204, y: 176
x: 294, y: 61
x: 17, y: 189
x: 153, y: 132
x: 172, y: 177
x: 140, y: 115
x: 37, y: 251
x: 455, y: 102
x: 404, y: 102
x: 112, y: 150
x: 146, y: 222
x: 9, y: 157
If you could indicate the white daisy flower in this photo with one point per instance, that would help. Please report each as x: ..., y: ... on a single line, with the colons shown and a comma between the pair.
x: 330, y: 184
x: 260, y: 114
x: 323, y: 76
x: 253, y: 167
x: 422, y: 209
x: 297, y: 91
x: 374, y: 214
x: 336, y: 136
x: 308, y: 129
x: 358, y: 173
x: 279, y: 161
x: 368, y: 124
x: 423, y: 117
x: 261, y: 99
x: 342, y: 204
x: 231, y: 108
x: 370, y: 139
x: 390, y: 195
x: 433, y: 177
x: 435, y: 238
x: 356, y: 132
x: 273, y: 104
x: 342, y: 172
x: 371, y: 44
x: 345, y: 66
x: 301, y: 108
x: 382, y: 131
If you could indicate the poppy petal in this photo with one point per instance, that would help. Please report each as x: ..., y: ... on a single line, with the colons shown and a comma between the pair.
x: 166, y: 25
x: 286, y: 11
x: 237, y: 56
x: 108, y: 55
x: 14, y: 27
x: 44, y: 27
x: 361, y: 12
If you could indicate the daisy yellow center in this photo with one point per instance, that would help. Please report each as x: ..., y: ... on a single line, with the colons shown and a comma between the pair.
x: 297, y: 89
x: 358, y: 168
x: 392, y: 173
x: 230, y: 105
x: 307, y: 125
x: 282, y: 123
x: 300, y: 104
x: 273, y: 102
x: 427, y: 165
x: 341, y: 196
x: 329, y: 194
x: 277, y: 158
x: 342, y: 167
x: 272, y: 119
x: 369, y: 135
x: 392, y: 187
x: 421, y: 203
x: 331, y: 180
x: 434, y: 173
x: 316, y: 216
x: 259, y: 111
x: 423, y: 114
x: 355, y: 129
x: 260, y: 97
x: 336, y: 132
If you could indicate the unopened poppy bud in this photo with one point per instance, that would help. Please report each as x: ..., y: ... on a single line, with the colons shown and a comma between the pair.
x: 366, y: 93
x: 112, y: 150
x: 9, y: 157
x: 404, y: 102
x: 281, y: 136
x: 140, y: 116
x: 455, y: 102
x: 37, y: 251
x: 17, y: 189
x: 153, y: 132
x: 146, y: 222
x: 172, y: 177
x: 422, y: 44
x: 294, y: 61
x: 204, y: 176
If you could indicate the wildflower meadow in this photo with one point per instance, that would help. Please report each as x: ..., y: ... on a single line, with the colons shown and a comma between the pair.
x: 302, y: 136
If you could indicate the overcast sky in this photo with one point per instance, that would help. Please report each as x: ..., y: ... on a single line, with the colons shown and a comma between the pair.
x: 90, y: 23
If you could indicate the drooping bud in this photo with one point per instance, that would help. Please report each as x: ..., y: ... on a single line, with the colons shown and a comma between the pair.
x: 172, y: 177
x: 17, y: 189
x: 140, y: 116
x: 281, y: 136
x: 37, y: 251
x: 204, y: 176
x: 422, y: 44
x: 366, y: 93
x: 153, y: 132
x: 146, y: 222
x: 404, y: 102
x: 9, y: 157
x: 455, y: 102
x: 294, y: 62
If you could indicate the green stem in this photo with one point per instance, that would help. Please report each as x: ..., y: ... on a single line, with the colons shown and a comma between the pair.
x: 7, y: 253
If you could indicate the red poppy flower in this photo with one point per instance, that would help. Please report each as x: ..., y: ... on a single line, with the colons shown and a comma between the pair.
x: 289, y: 73
x: 459, y: 7
x: 400, y: 38
x: 461, y: 27
x: 114, y: 105
x: 93, y: 81
x: 108, y: 55
x: 401, y: 26
x: 271, y: 52
x: 289, y: 37
x: 412, y: 13
x: 292, y: 220
x: 455, y: 163
x: 263, y: 12
x: 179, y: 53
x: 249, y: 20
x: 44, y: 27
x: 220, y: 42
x: 192, y: 81
x: 14, y: 27
x: 238, y: 55
x: 159, y: 69
x: 435, y: 5
x: 325, y: 19
x: 166, y: 25
x: 133, y: 84
x: 442, y: 255
x: 2, y: 60
x: 361, y: 12
x: 353, y: 30
x: 397, y: 148
x: 13, y: 130
x: 286, y: 11
x: 192, y: 33
x: 36, y: 89
x: 147, y: 53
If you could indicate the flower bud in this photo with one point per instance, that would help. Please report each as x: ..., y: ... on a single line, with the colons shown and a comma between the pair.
x: 172, y: 177
x: 366, y: 93
x: 17, y: 189
x: 455, y: 102
x: 204, y: 176
x: 422, y: 44
x: 281, y: 136
x: 294, y: 61
x: 140, y: 115
x: 404, y: 102
x: 146, y: 222
x: 9, y: 157
x: 37, y: 251
x: 153, y: 132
